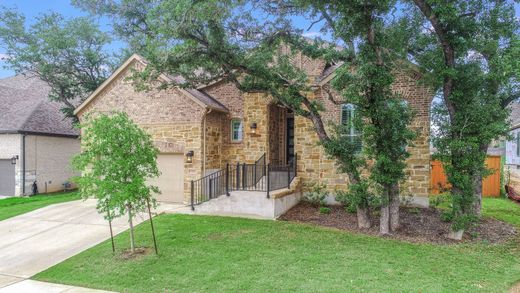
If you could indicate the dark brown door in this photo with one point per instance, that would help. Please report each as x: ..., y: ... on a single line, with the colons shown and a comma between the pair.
x: 290, y: 140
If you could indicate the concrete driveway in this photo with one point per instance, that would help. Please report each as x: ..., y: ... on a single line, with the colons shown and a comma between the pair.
x: 35, y: 241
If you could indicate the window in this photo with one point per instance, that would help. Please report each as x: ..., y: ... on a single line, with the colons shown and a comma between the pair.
x: 348, y: 112
x: 237, y: 130
x: 518, y: 144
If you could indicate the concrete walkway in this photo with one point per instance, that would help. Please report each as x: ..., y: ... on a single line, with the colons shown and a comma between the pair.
x: 35, y: 241
x: 37, y: 286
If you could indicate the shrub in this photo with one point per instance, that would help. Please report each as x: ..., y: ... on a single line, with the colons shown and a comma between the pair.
x: 325, y: 210
x: 346, y: 200
x: 315, y: 194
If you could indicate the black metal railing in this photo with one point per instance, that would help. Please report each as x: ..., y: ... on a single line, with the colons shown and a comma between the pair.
x: 259, y: 171
x: 247, y: 177
x: 208, y: 187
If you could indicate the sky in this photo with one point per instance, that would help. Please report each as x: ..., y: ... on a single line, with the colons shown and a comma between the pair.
x: 31, y: 8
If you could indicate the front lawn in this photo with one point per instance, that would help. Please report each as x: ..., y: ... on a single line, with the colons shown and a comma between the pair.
x: 502, y: 209
x: 219, y: 254
x: 15, y: 206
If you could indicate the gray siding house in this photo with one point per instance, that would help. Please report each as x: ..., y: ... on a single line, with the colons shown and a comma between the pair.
x: 36, y: 140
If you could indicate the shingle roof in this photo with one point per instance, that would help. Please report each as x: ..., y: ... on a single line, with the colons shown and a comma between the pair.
x: 514, y: 117
x: 327, y: 71
x: 201, y: 96
x: 207, y: 100
x: 25, y: 107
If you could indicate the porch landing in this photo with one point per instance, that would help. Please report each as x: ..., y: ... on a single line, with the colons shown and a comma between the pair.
x: 248, y: 204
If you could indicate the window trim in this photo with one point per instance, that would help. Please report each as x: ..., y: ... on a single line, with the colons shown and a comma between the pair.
x: 240, y: 129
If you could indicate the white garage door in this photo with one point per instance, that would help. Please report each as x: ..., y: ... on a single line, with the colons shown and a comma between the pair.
x: 171, y: 181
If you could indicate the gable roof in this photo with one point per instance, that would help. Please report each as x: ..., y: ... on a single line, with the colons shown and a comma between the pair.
x: 199, y: 97
x: 25, y: 108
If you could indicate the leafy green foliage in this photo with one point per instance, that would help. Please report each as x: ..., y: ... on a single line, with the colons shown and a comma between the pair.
x: 205, y: 41
x: 468, y: 55
x: 325, y: 210
x: 68, y: 54
x: 366, y: 81
x: 116, y: 160
x: 316, y: 194
x: 358, y: 195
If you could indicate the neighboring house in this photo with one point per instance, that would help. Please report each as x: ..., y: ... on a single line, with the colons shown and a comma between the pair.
x: 36, y: 140
x: 200, y: 131
x: 513, y: 144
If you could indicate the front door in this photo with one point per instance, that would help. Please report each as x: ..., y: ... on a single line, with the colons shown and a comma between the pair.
x: 289, y: 140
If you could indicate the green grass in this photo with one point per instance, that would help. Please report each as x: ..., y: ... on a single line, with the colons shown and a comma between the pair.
x: 219, y: 254
x: 15, y: 206
x: 502, y: 209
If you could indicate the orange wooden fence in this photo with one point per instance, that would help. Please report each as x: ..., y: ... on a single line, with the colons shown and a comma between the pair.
x: 490, y: 184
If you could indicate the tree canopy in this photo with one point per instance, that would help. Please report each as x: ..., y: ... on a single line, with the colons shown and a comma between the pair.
x: 68, y: 54
x: 470, y: 53
x: 116, y: 161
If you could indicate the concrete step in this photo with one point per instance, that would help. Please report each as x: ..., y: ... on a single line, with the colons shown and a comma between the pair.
x: 253, y: 204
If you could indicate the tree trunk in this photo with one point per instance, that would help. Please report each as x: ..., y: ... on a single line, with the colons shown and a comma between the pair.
x: 394, y: 207
x: 363, y: 218
x: 132, y: 240
x: 477, y: 202
x: 477, y: 186
x: 384, y: 220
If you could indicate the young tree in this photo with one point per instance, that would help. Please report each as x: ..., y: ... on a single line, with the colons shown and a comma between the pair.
x: 117, y: 159
x: 67, y: 54
x: 470, y: 49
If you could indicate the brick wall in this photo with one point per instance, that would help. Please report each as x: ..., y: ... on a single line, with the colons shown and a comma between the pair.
x: 167, y: 115
x: 172, y: 118
x: 214, y: 140
x: 231, y: 97
x: 313, y: 163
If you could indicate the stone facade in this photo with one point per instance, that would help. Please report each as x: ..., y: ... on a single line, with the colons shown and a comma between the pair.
x: 167, y: 115
x: 313, y: 163
x: 172, y: 119
x: 231, y: 97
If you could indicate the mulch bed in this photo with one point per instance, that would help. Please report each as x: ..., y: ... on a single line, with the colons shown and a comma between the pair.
x: 139, y: 252
x: 418, y: 225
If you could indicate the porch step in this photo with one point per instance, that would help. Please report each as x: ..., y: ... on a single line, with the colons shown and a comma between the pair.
x: 252, y: 204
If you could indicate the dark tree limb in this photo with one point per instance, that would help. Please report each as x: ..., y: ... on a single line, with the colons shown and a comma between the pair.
x: 448, y: 52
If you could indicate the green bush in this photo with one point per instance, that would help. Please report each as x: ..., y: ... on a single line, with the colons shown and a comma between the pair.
x: 315, y: 194
x: 346, y: 200
x: 325, y: 210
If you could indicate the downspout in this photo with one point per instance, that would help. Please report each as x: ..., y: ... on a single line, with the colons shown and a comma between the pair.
x: 23, y: 164
x: 204, y: 142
